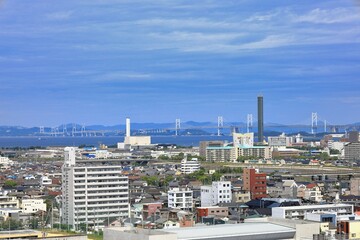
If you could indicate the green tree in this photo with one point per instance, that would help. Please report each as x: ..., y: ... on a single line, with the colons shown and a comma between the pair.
x: 11, y: 224
x: 324, y: 156
x: 334, y: 151
x: 10, y: 183
x: 151, y: 180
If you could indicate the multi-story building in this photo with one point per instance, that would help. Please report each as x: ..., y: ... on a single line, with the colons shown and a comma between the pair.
x: 151, y: 209
x: 32, y: 205
x: 180, y: 198
x: 352, y: 151
x: 220, y: 154
x: 92, y: 191
x: 313, y: 193
x: 218, y: 192
x: 204, y: 144
x: 254, y: 182
x: 8, y: 201
x: 189, y: 166
x: 349, y: 229
x: 279, y: 141
x: 299, y: 212
x: 255, y: 151
x: 353, y: 136
x: 243, y: 139
x: 241, y: 196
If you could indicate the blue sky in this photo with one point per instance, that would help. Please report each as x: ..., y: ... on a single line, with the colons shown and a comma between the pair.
x: 100, y: 61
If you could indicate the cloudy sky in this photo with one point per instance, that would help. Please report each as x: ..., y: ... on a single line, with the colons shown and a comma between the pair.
x: 99, y: 61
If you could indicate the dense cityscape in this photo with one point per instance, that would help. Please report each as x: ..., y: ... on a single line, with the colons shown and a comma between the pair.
x: 266, y: 187
x: 180, y: 120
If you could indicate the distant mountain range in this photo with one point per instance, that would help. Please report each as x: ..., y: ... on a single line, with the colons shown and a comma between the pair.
x: 190, y: 127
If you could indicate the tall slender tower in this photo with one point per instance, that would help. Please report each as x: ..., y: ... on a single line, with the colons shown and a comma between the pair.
x: 260, y: 102
x: 127, y: 127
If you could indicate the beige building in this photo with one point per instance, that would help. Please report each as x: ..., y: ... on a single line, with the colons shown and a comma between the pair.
x: 204, y: 144
x: 256, y: 152
x: 241, y: 196
x: 220, y: 154
x: 32, y: 205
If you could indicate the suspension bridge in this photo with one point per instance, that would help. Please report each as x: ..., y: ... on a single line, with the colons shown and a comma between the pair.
x: 315, y: 125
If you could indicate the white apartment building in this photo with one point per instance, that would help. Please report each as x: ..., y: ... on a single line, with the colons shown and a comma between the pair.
x: 299, y: 212
x: 279, y: 141
x: 180, y: 198
x: 218, y: 192
x: 189, y: 166
x: 32, y: 205
x: 92, y: 191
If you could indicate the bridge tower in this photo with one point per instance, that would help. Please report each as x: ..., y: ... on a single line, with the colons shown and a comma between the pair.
x: 220, y: 125
x: 249, y: 122
x: 73, y: 130
x: 42, y: 129
x: 177, y: 126
x: 64, y: 130
x: 83, y: 130
x: 314, y: 122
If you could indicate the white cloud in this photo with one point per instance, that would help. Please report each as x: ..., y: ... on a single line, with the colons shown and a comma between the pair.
x: 185, y: 23
x: 330, y: 16
x: 64, y: 15
x: 123, y: 76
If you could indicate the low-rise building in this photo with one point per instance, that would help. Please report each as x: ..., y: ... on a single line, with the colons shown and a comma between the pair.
x: 189, y: 166
x: 32, y: 205
x: 211, y: 211
x: 313, y: 193
x: 299, y: 212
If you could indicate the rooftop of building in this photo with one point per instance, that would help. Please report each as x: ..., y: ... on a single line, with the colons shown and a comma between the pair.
x: 241, y: 231
x: 317, y: 206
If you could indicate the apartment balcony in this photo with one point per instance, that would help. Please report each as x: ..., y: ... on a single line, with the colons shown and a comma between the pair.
x: 107, y: 199
x: 96, y: 178
x: 105, y: 193
x: 94, y: 187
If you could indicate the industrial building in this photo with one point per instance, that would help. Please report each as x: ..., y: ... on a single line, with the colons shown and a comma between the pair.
x: 133, y: 141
